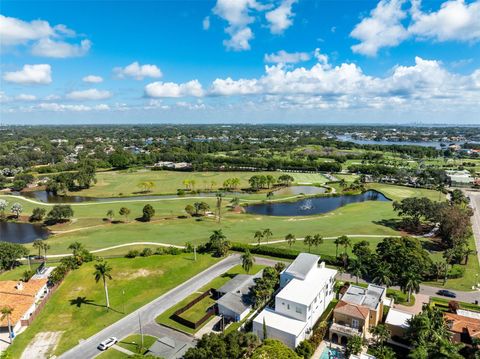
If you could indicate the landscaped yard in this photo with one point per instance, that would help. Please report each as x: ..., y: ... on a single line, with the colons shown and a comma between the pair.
x: 197, y: 311
x: 77, y: 307
x: 134, y: 343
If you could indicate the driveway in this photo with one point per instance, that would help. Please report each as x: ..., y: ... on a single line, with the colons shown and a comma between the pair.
x: 148, y: 313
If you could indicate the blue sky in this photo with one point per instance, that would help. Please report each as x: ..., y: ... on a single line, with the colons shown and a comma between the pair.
x: 253, y: 61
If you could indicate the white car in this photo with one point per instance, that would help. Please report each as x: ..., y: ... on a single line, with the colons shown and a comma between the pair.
x: 107, y: 343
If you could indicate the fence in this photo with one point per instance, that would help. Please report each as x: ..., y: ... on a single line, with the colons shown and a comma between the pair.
x: 27, y: 322
x: 194, y: 325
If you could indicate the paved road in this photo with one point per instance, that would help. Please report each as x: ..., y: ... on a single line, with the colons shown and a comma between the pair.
x: 148, y: 313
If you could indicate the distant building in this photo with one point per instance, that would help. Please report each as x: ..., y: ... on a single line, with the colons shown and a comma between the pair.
x: 306, y: 289
x: 460, y: 178
x: 173, y: 165
x: 397, y: 322
x: 464, y: 326
x: 235, y: 298
x: 358, y: 310
x: 23, y: 298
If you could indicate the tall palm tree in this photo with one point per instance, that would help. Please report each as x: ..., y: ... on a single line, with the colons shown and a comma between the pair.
x: 103, y: 271
x: 338, y: 242
x: 383, y: 275
x: 110, y: 214
x: 267, y: 233
x: 317, y: 240
x: 356, y: 269
x: 247, y: 261
x: 411, y: 283
x: 308, y: 241
x: 219, y: 196
x: 38, y: 245
x: 45, y: 247
x: 6, y: 312
x: 290, y: 238
x: 346, y: 242
x: 76, y: 247
x: 258, y: 236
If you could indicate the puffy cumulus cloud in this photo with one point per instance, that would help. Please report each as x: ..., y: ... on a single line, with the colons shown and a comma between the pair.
x: 284, y: 57
x: 206, y: 23
x: 455, y: 20
x: 281, y: 18
x: 60, y: 49
x: 90, y: 94
x: 30, y: 74
x: 383, y: 28
x: 237, y: 15
x: 45, y: 40
x: 93, y: 79
x: 137, y: 71
x: 171, y: 89
x: 347, y: 86
x: 25, y: 97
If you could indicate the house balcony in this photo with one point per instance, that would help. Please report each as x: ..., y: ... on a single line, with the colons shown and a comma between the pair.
x: 344, y: 329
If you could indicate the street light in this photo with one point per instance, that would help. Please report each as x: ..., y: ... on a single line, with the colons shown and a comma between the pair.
x: 123, y: 297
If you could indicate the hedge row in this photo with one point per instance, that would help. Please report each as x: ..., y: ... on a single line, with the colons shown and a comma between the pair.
x: 277, y: 252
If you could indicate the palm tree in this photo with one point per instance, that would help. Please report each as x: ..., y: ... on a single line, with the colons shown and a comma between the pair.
x: 110, y: 214
x: 6, y: 312
x: 247, y: 261
x: 258, y: 236
x: 219, y: 196
x: 342, y: 183
x: 38, y: 245
x: 290, y: 238
x: 103, y: 271
x: 308, y: 242
x: 467, y: 252
x: 383, y: 275
x: 76, y: 247
x: 45, y: 247
x: 337, y: 241
x: 346, y: 242
x: 267, y: 233
x: 411, y: 283
x: 317, y: 240
x: 356, y: 269
x: 235, y: 201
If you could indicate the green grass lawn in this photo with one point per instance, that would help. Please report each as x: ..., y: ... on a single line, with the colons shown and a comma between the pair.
x: 397, y: 193
x: 197, y: 312
x: 134, y: 343
x: 165, y: 319
x: 112, y: 353
x: 17, y: 273
x: 77, y: 307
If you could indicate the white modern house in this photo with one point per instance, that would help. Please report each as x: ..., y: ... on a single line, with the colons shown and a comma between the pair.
x: 306, y: 289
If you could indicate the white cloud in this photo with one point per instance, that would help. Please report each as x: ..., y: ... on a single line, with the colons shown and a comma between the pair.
x: 58, y: 107
x: 281, y: 18
x: 206, y: 23
x: 237, y: 14
x: 287, y: 57
x: 138, y: 72
x: 455, y: 20
x: 90, y: 94
x: 30, y: 74
x: 93, y: 79
x: 45, y: 40
x: 25, y: 97
x: 171, y: 89
x: 383, y: 28
x: 228, y: 87
x: 60, y: 49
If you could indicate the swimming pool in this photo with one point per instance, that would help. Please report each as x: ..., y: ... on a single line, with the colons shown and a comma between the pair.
x: 331, y: 354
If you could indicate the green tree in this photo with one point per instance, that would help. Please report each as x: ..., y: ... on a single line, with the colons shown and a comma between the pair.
x: 110, y: 214
x: 356, y: 269
x: 290, y: 238
x: 247, y: 261
x: 411, y: 283
x: 304, y: 349
x: 148, y: 212
x: 124, y: 211
x: 258, y: 236
x: 6, y: 312
x: 267, y: 233
x: 103, y: 271
x: 274, y: 349
x: 38, y: 244
x: 190, y: 209
x: 354, y: 345
x: 218, y: 243
x: 37, y: 214
x: 59, y: 213
x: 16, y: 209
x: 219, y: 196
x: 10, y: 253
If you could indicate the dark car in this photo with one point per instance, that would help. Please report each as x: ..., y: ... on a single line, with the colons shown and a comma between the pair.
x: 446, y: 293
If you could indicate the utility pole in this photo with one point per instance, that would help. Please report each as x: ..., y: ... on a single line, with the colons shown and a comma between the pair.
x: 123, y: 297
x: 195, y: 252
x: 141, y: 330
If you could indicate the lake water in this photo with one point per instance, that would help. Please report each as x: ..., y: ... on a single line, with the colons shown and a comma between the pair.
x: 21, y: 232
x: 44, y: 196
x: 310, y: 206
x: 437, y: 145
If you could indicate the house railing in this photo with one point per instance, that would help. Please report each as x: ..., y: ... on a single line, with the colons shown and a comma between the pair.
x: 339, y: 328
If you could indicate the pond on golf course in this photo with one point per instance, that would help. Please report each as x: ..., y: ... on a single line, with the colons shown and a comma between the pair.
x: 311, y: 206
x: 21, y: 232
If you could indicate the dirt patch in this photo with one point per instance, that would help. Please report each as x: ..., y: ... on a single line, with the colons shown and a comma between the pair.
x: 42, y: 345
x: 138, y: 274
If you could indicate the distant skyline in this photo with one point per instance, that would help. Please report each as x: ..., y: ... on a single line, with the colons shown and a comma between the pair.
x: 240, y: 61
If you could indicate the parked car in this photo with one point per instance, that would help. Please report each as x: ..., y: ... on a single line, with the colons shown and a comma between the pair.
x: 446, y: 293
x: 107, y: 343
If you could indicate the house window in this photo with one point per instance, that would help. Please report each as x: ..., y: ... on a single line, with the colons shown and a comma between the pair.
x: 288, y: 306
x: 355, y: 323
x: 298, y: 310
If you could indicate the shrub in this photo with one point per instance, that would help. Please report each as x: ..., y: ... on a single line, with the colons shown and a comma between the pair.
x: 172, y: 250
x: 146, y: 252
x: 305, y: 349
x: 132, y: 253
x: 159, y: 251
x: 318, y: 333
x: 457, y: 271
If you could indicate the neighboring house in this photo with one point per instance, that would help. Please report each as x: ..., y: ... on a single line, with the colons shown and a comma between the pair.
x: 397, y: 322
x: 358, y: 310
x: 235, y: 298
x: 464, y: 327
x: 306, y: 289
x: 460, y: 178
x: 169, y: 348
x: 23, y: 298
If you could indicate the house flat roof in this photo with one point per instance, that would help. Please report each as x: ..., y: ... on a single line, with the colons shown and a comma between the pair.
x: 280, y: 322
x: 302, y: 265
x: 304, y: 291
x: 398, y: 318
x: 369, y: 297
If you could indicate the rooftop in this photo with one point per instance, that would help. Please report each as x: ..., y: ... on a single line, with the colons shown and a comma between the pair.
x: 280, y: 322
x: 369, y: 297
x: 237, y: 292
x: 352, y: 310
x: 398, y: 318
x: 237, y: 282
x: 302, y: 265
x: 304, y: 291
x: 460, y: 324
x: 20, y: 298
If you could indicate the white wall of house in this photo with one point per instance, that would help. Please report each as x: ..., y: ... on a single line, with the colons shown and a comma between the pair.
x: 227, y: 312
x: 285, y: 337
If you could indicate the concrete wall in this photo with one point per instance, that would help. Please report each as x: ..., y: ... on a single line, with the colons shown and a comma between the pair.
x: 289, y: 309
x: 288, y: 339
